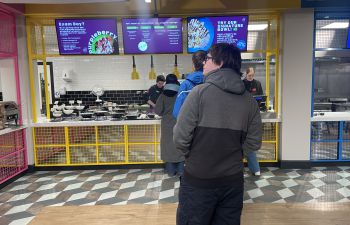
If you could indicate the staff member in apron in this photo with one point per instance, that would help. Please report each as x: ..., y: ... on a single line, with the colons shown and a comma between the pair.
x: 154, y: 92
x: 254, y: 87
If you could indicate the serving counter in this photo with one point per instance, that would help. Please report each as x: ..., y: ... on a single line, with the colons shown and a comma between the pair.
x: 330, y: 136
x: 76, y: 143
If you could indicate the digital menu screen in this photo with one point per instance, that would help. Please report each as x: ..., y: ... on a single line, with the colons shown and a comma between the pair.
x: 348, y: 42
x: 152, y: 35
x: 202, y: 32
x: 87, y: 36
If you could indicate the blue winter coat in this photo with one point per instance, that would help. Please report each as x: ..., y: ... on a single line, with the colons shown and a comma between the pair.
x: 186, y: 86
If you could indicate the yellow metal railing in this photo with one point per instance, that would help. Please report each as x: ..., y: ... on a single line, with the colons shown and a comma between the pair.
x: 78, y: 150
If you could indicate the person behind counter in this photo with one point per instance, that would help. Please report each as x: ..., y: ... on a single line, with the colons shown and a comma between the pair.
x: 154, y: 92
x: 217, y: 123
x: 254, y: 87
x: 174, y: 159
x: 192, y: 80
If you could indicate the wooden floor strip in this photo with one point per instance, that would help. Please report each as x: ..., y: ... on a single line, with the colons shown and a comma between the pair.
x: 164, y: 214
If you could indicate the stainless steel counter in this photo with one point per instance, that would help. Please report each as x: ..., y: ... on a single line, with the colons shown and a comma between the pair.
x: 332, y: 116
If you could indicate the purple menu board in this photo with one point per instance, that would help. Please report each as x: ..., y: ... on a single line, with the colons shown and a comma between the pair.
x: 202, y: 32
x: 152, y: 35
x: 348, y: 42
x: 87, y: 36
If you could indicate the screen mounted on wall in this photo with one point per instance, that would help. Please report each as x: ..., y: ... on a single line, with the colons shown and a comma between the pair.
x: 87, y: 36
x: 152, y: 35
x: 202, y: 32
x: 348, y: 41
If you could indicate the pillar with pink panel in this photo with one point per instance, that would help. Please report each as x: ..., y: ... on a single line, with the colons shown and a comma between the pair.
x: 13, y: 150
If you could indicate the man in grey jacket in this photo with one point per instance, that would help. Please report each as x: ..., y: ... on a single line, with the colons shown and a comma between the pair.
x: 217, y: 123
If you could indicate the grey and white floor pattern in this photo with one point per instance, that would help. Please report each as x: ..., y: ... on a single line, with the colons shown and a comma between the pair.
x: 23, y: 199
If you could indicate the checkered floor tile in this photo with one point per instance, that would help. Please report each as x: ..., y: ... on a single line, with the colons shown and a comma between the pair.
x: 23, y: 199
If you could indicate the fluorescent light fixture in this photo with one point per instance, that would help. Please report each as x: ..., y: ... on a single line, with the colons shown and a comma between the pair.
x: 336, y: 25
x: 148, y: 1
x: 255, y: 27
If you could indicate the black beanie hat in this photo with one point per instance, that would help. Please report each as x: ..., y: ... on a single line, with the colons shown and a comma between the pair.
x: 171, y: 79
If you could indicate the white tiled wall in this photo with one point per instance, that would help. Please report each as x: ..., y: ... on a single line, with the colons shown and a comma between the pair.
x: 113, y: 72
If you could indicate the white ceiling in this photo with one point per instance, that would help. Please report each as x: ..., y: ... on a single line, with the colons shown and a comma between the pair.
x: 58, y: 1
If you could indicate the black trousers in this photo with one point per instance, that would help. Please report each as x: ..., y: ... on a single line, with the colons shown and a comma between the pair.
x: 216, y: 206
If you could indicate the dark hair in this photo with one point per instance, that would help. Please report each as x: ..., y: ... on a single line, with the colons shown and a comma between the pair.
x: 171, y: 79
x: 160, y: 78
x: 197, y: 59
x: 227, y: 54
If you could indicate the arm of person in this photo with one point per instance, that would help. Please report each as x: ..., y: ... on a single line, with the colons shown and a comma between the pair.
x: 150, y: 93
x: 260, y: 90
x: 186, y: 122
x: 159, y: 107
x: 149, y: 102
x: 253, y: 139
x: 180, y: 98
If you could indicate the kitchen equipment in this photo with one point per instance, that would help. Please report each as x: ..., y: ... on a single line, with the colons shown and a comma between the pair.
x: 57, y: 114
x: 340, y: 107
x: 131, y: 117
x: 68, y: 111
x: 261, y: 99
x: 134, y: 74
x: 323, y: 106
x: 86, y: 115
x: 120, y: 110
x: 69, y: 107
x: 337, y: 104
x: 79, y: 107
x: 98, y: 92
x: 9, y: 112
x: 144, y: 107
x: 123, y: 106
x: 116, y: 115
x: 176, y: 71
x: 152, y: 74
x: 100, y: 115
x: 151, y: 115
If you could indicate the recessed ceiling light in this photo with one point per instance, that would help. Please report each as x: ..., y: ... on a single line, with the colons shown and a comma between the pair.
x: 336, y: 25
x: 148, y: 1
x: 256, y: 27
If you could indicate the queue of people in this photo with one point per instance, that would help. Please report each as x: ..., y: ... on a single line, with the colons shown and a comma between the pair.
x: 209, y: 123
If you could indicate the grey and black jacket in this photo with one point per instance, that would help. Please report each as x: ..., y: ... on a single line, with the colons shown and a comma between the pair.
x: 218, y: 122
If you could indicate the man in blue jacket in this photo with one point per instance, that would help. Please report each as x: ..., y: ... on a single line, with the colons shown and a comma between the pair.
x: 192, y: 80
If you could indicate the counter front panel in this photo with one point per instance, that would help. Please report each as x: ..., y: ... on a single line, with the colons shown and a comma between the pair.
x: 330, y: 141
x: 116, y: 143
x: 13, y: 158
